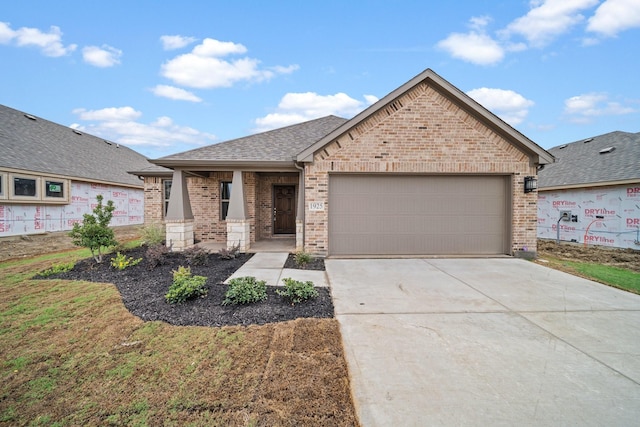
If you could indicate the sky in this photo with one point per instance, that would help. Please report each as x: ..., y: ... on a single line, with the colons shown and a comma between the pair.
x: 166, y: 77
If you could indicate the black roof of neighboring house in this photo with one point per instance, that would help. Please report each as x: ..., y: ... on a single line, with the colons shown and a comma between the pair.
x: 33, y: 144
x: 278, y: 145
x: 606, y: 159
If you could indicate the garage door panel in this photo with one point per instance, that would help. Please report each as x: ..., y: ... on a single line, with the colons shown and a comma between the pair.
x: 417, y: 215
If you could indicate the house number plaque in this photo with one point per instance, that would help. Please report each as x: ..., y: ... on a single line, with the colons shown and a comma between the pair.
x: 316, y: 206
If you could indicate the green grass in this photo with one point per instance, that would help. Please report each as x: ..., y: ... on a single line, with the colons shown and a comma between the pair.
x: 614, y: 276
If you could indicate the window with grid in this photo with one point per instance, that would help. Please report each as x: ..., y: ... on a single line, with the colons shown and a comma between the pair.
x: 225, y: 196
x: 166, y: 194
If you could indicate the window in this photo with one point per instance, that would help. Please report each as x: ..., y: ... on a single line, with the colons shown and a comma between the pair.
x: 20, y: 188
x: 225, y: 196
x: 54, y: 189
x: 25, y: 187
x: 166, y: 192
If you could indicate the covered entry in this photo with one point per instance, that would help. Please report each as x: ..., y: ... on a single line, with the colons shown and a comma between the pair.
x: 419, y: 215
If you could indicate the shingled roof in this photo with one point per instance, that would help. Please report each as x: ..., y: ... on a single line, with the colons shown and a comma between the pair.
x: 606, y: 159
x: 278, y: 145
x: 36, y: 145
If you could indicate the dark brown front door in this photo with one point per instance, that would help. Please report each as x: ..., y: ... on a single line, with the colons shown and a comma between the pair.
x: 284, y: 209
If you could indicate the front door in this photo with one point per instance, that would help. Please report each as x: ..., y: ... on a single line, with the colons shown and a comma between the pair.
x: 284, y: 209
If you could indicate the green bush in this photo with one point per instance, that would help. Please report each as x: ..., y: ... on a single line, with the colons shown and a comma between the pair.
x: 185, y: 286
x: 245, y: 290
x: 152, y: 234
x: 94, y: 233
x: 121, y: 261
x: 296, y: 291
x: 302, y: 258
x: 57, y: 268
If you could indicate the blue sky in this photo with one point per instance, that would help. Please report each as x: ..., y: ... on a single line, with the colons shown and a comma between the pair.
x: 164, y: 77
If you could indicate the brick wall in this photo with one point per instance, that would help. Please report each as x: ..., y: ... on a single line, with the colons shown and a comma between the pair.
x: 421, y: 132
x: 153, y: 200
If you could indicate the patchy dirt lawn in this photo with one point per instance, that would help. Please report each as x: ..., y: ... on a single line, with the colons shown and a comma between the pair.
x: 623, y: 258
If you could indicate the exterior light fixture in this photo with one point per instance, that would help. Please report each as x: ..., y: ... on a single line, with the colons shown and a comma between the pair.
x: 530, y: 184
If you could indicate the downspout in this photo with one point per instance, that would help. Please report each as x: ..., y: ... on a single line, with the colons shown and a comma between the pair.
x: 300, y: 207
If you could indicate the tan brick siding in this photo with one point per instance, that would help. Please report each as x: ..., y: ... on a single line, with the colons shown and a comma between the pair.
x: 422, y: 132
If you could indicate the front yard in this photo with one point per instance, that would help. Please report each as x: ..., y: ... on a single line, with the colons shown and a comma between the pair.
x: 72, y: 354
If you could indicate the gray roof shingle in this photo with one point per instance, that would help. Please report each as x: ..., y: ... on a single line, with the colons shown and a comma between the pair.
x: 581, y: 162
x: 44, y: 147
x: 276, y: 145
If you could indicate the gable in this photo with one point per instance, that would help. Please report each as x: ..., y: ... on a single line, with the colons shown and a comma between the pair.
x: 431, y: 89
x: 422, y: 125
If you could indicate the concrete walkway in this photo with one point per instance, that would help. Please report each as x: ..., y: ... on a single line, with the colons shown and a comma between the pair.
x: 269, y: 266
x: 486, y: 342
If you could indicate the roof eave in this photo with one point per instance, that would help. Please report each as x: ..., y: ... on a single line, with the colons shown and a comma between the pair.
x: 540, y: 156
x: 590, y: 184
x: 227, y: 165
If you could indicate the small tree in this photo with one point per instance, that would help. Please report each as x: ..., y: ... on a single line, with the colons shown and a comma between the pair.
x: 94, y: 233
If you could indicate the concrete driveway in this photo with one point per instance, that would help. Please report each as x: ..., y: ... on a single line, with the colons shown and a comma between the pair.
x: 486, y: 342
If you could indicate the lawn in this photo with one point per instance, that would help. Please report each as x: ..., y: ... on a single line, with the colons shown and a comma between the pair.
x: 71, y: 354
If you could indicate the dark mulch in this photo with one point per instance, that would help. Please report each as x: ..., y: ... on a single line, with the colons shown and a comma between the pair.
x: 314, y: 264
x: 143, y: 289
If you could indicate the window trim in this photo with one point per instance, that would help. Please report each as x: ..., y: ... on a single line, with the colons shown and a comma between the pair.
x: 8, y: 193
x: 4, y: 183
x: 12, y: 187
x: 223, y: 201
x: 165, y: 199
x: 65, y: 189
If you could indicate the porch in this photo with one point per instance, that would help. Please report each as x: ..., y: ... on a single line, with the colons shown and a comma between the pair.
x: 264, y: 245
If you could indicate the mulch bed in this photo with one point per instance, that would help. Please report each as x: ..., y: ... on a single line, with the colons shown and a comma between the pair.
x: 314, y: 264
x: 143, y: 289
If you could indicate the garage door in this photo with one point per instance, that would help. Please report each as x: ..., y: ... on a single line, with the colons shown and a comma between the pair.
x: 418, y: 215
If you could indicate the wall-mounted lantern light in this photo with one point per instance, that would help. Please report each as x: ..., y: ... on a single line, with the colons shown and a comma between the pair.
x: 530, y: 184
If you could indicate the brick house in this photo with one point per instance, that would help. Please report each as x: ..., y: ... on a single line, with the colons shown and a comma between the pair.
x: 424, y: 171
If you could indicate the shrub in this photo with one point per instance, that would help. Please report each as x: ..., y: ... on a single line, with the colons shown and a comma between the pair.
x: 297, y: 291
x: 185, y: 286
x: 156, y: 255
x: 57, y: 268
x: 152, y: 234
x: 94, y: 233
x: 245, y: 290
x: 229, y: 253
x: 121, y: 261
x: 302, y: 258
x: 196, y: 256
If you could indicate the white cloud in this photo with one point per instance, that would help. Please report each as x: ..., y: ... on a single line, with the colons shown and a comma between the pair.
x: 120, y: 124
x: 475, y: 46
x: 103, y: 57
x: 49, y: 43
x: 205, y: 68
x: 299, y: 107
x: 614, y: 16
x: 176, y: 42
x: 548, y: 19
x: 510, y: 106
x: 108, y: 114
x: 176, y: 93
x: 583, y: 108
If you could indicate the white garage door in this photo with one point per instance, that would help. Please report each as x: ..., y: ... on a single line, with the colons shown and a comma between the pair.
x: 418, y: 215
